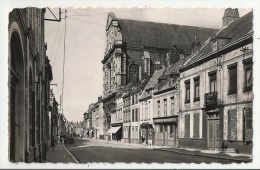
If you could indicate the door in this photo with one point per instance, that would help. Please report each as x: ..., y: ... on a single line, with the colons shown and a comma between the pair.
x: 213, y: 134
x: 165, y: 135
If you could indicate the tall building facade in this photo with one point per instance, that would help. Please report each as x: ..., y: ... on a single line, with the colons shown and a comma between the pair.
x: 216, y: 91
x: 29, y: 91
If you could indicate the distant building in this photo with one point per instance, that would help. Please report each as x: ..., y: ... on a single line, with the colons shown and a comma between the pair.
x: 78, y: 128
x: 134, y: 48
x: 216, y: 89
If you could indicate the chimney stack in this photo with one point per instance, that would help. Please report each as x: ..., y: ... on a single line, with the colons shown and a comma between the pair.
x: 230, y: 15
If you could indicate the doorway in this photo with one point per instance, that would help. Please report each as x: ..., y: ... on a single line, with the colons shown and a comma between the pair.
x: 213, y: 134
x: 16, y: 97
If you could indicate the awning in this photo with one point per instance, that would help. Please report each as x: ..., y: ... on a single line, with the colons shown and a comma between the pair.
x: 113, y: 129
x: 90, y: 131
x: 86, y: 131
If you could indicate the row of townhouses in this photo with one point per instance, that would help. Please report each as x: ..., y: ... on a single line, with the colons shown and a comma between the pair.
x: 35, y: 120
x: 176, y: 85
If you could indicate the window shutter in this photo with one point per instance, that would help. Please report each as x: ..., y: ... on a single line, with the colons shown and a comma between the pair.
x: 248, y: 124
x: 187, y: 126
x: 232, y: 124
x: 196, y: 125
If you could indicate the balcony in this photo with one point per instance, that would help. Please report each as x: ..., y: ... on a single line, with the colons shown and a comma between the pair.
x: 211, y: 98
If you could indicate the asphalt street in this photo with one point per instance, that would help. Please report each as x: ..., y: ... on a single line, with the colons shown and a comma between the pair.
x: 88, y: 151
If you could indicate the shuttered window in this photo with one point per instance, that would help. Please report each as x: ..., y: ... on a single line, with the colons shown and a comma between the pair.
x: 248, y: 124
x: 187, y: 126
x: 248, y: 81
x: 165, y: 107
x: 196, y: 121
x: 187, y: 91
x: 133, y: 115
x: 232, y: 124
x: 232, y: 69
x: 158, y: 108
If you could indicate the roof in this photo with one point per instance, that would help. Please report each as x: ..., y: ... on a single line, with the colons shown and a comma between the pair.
x: 234, y: 31
x: 153, y: 81
x: 152, y: 34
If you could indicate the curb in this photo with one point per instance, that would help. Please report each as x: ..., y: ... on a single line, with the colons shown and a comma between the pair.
x: 72, y: 155
x: 202, y: 155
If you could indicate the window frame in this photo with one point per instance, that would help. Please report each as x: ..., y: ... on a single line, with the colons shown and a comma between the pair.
x: 172, y: 105
x: 165, y: 106
x: 248, y: 65
x: 187, y: 91
x: 232, y: 86
x: 196, y: 81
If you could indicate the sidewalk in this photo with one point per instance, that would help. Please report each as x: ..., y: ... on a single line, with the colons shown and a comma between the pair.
x: 59, y: 155
x: 211, y: 154
x: 194, y: 152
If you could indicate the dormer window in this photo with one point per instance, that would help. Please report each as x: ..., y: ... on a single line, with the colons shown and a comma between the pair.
x: 218, y: 42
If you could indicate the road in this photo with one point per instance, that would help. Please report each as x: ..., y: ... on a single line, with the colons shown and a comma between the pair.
x: 88, y: 151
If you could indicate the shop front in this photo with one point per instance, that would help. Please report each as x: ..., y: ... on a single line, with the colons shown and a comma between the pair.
x: 115, y: 133
x: 166, y: 131
x: 147, y: 134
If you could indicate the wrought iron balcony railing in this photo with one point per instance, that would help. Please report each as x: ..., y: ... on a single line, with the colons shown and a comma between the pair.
x: 211, y: 98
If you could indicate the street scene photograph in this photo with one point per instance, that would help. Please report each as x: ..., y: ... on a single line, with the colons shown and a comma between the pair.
x: 130, y: 85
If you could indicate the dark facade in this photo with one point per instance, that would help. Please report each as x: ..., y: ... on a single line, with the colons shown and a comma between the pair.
x: 29, y: 81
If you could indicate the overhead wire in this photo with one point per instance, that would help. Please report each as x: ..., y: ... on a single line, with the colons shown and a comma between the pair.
x: 86, y: 21
x: 55, y: 39
x: 58, y: 47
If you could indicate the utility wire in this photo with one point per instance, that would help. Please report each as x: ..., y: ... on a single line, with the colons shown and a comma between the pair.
x: 55, y: 39
x: 82, y: 14
x: 58, y: 48
x: 87, y: 21
x: 64, y: 61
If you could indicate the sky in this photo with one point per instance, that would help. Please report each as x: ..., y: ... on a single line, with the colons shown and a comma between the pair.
x: 85, y: 45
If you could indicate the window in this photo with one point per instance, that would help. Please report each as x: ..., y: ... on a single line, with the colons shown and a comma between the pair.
x: 248, y: 114
x: 172, y: 105
x: 133, y: 115
x: 133, y: 99
x: 248, y: 81
x: 159, y: 108
x: 146, y: 111
x: 187, y: 126
x: 232, y: 124
x: 124, y: 116
x: 214, y: 45
x: 133, y: 71
x: 165, y: 106
x: 196, y: 89
x: 136, y: 132
x: 196, y: 121
x: 136, y: 114
x: 213, y: 82
x: 187, y: 91
x: 232, y: 69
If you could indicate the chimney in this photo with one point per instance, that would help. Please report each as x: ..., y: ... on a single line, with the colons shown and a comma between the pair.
x: 230, y: 15
x: 157, y: 64
x: 195, y: 46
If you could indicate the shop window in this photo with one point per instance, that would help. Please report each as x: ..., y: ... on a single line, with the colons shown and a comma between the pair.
x: 196, y: 89
x: 248, y: 124
x: 232, y: 124
x: 248, y: 74
x: 196, y: 121
x: 187, y: 91
x: 187, y: 126
x: 232, y: 69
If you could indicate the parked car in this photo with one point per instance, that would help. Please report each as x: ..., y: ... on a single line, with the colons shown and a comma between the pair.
x: 68, y: 139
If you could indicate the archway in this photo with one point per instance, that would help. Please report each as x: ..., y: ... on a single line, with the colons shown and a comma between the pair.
x: 16, y: 95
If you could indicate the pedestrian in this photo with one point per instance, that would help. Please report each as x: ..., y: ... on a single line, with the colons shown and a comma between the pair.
x: 107, y: 138
x: 60, y: 139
